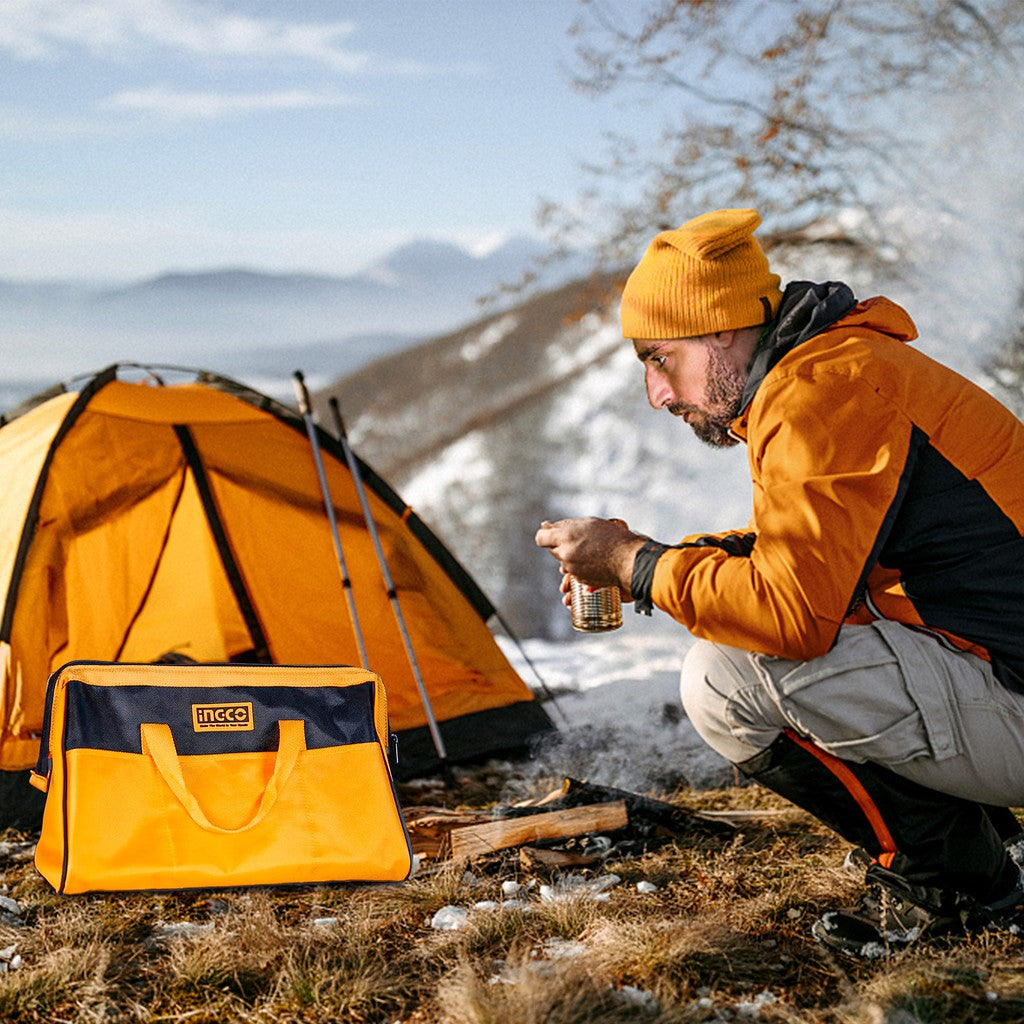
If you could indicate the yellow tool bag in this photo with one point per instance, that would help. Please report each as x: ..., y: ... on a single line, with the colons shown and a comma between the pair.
x: 205, y: 776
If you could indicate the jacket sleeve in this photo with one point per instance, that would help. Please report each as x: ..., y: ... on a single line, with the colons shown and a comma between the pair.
x: 732, y: 541
x: 829, y: 459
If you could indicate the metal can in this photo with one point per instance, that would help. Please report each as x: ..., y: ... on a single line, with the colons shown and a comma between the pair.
x: 595, y: 609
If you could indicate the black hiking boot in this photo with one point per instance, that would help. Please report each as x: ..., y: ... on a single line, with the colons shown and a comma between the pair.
x: 881, y: 924
x: 893, y: 913
x: 938, y: 848
x: 1015, y: 848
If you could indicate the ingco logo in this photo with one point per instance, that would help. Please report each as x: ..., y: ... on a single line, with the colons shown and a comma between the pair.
x: 235, y: 717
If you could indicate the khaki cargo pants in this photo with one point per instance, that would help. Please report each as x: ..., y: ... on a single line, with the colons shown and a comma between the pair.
x: 884, y: 694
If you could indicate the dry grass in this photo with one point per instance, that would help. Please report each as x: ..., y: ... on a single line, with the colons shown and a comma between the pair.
x: 725, y: 937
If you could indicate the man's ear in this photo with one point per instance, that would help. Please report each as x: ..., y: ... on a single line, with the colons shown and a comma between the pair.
x: 740, y: 341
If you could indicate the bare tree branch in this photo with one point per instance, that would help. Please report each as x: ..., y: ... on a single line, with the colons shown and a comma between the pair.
x: 798, y: 107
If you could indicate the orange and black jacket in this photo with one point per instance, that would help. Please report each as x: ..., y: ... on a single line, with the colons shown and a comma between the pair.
x: 885, y: 485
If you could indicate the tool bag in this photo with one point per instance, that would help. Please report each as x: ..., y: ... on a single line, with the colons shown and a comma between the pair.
x: 196, y: 776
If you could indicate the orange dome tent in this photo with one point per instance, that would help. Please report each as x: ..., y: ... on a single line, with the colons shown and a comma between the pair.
x: 141, y: 519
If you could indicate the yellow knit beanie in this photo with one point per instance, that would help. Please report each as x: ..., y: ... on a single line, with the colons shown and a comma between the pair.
x: 708, y: 275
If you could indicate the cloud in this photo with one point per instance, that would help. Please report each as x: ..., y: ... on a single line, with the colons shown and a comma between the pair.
x: 211, y: 105
x: 48, y: 29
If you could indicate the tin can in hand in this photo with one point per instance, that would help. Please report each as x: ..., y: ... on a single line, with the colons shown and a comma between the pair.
x: 594, y: 609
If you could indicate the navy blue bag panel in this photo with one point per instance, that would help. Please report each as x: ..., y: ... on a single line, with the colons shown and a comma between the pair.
x: 108, y: 717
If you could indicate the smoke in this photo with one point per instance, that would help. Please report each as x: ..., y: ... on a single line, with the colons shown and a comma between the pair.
x: 960, y: 212
x: 620, y: 722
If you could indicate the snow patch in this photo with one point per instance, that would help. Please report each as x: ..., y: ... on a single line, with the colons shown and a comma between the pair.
x: 618, y: 714
x: 590, y: 339
x: 461, y: 467
x: 493, y: 334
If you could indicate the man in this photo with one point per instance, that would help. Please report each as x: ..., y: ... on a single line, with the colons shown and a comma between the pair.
x: 861, y: 645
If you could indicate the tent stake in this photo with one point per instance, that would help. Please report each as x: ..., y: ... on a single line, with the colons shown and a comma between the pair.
x: 371, y: 525
x: 302, y: 395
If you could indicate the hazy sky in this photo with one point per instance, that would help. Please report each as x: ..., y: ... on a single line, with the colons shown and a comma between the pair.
x: 145, y: 135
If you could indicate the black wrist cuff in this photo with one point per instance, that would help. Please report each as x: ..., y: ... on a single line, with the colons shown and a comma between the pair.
x: 642, y: 580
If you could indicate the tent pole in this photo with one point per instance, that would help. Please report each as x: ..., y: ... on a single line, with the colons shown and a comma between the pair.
x: 371, y: 525
x: 302, y: 395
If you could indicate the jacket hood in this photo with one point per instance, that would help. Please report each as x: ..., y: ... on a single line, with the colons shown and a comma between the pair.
x: 806, y: 310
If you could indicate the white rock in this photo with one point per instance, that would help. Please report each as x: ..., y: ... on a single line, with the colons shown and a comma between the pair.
x: 575, y: 886
x: 180, y: 930
x: 9, y: 906
x: 638, y: 997
x: 646, y: 886
x: 511, y: 888
x: 450, y: 918
x: 752, y: 1007
x: 487, y: 905
x: 16, y: 851
x: 557, y: 948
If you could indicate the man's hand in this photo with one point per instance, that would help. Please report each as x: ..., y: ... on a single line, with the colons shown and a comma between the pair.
x: 598, y: 552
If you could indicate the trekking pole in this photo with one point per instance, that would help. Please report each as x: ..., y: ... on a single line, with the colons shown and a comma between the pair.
x: 371, y: 525
x: 302, y: 395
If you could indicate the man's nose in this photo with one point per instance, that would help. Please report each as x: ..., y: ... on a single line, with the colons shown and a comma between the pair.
x: 659, y: 394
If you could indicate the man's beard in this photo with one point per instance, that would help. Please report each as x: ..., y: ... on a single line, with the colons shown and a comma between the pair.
x: 724, y: 388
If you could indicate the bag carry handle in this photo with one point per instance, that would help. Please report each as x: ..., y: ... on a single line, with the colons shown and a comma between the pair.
x: 158, y: 742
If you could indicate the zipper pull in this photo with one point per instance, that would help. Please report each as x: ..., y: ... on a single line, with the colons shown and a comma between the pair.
x: 40, y: 780
x: 394, y: 743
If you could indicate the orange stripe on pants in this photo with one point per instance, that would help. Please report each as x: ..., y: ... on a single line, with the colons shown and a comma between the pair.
x: 853, y: 786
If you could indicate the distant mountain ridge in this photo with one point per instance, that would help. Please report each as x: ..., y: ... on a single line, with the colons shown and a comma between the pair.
x: 229, y: 279
x: 227, y: 319
x: 421, y: 264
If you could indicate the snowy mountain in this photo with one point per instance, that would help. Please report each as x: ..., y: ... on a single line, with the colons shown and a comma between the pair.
x: 535, y: 413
